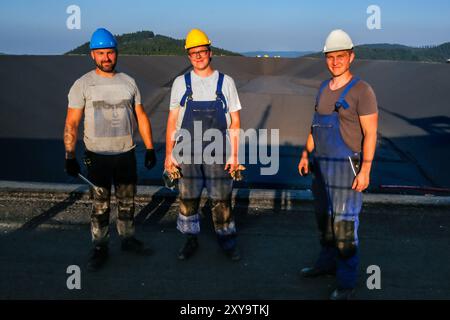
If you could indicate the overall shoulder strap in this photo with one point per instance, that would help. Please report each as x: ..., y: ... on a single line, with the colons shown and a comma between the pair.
x: 219, y: 93
x: 188, y: 94
x: 341, y: 101
x: 322, y: 87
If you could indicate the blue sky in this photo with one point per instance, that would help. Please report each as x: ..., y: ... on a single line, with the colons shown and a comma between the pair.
x: 39, y: 27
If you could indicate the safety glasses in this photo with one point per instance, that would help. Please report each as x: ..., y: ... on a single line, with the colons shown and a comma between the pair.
x: 200, y: 53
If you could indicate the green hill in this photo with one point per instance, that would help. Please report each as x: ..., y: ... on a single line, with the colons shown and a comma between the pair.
x: 147, y: 43
x: 384, y: 51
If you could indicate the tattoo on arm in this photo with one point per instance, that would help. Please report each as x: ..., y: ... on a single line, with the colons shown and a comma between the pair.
x: 70, y: 140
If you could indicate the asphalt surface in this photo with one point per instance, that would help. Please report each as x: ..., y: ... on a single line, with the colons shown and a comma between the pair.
x: 414, y: 135
x: 42, y: 234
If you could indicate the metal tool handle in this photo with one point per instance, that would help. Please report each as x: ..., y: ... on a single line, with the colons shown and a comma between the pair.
x: 351, y: 164
x: 97, y: 190
x: 87, y: 181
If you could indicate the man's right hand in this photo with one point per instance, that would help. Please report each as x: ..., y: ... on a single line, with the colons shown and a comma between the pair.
x: 72, y: 167
x: 170, y: 164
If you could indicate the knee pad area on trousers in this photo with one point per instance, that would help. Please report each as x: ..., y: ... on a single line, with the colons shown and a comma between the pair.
x: 189, y: 207
x: 100, y: 207
x: 125, y: 191
x: 100, y: 220
x: 126, y: 206
x: 346, y: 249
x: 221, y: 210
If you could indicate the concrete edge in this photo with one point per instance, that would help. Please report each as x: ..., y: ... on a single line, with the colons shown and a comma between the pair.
x: 270, y: 198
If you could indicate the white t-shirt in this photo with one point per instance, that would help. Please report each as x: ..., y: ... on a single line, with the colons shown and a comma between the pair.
x: 204, y: 89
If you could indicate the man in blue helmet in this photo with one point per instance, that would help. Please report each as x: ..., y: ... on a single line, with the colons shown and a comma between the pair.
x: 204, y: 101
x: 342, y: 142
x: 112, y: 108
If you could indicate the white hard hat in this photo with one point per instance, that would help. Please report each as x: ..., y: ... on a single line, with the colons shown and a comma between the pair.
x: 337, y: 40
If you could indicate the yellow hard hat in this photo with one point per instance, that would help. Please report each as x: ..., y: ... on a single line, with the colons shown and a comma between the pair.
x: 196, y: 38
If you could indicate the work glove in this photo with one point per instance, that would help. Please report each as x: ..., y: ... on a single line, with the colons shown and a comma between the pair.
x: 150, y: 158
x: 72, y: 167
x: 170, y: 178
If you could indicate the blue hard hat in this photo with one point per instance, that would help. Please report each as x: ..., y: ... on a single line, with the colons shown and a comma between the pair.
x: 102, y: 39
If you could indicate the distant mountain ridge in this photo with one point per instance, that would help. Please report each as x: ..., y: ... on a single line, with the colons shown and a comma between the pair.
x: 386, y: 51
x: 281, y: 54
x: 147, y: 43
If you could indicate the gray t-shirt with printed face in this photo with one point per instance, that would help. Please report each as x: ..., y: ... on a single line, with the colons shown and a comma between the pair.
x: 204, y: 89
x: 362, y: 102
x: 109, y: 118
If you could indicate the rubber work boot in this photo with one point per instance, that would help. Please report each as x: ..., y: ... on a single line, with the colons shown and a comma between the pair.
x: 133, y: 245
x: 313, y: 272
x: 342, y: 294
x: 189, y: 248
x: 98, y: 257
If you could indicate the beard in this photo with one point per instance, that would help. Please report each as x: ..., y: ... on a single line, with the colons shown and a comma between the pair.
x: 108, y: 69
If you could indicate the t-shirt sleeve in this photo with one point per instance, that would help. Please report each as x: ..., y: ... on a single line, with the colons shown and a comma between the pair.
x: 367, y: 103
x: 231, y: 94
x: 177, y: 92
x: 76, y: 95
x: 137, y: 94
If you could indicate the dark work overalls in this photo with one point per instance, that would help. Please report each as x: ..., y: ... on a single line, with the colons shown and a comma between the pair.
x: 196, y: 176
x: 337, y: 205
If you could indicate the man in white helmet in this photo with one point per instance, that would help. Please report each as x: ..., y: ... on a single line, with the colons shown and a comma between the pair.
x: 342, y: 145
x: 204, y: 100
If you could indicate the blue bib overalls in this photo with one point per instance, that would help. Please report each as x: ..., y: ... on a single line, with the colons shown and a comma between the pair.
x: 337, y: 206
x: 196, y: 176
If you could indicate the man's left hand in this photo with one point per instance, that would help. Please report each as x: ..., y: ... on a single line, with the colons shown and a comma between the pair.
x: 232, y: 164
x: 234, y: 169
x: 150, y: 158
x: 361, y: 181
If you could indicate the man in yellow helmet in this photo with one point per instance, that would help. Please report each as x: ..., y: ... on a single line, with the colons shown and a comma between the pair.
x: 203, y: 101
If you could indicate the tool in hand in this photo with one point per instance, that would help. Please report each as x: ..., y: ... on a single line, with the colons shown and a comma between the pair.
x: 237, y: 174
x: 97, y: 190
x: 170, y: 178
x: 351, y: 164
